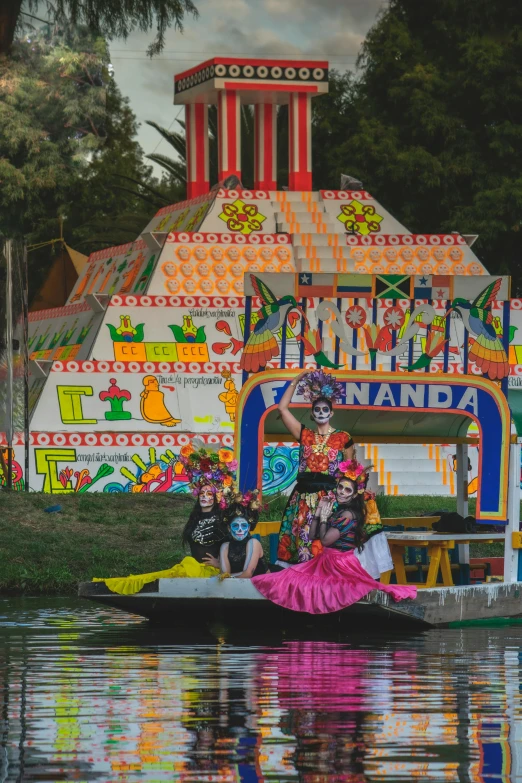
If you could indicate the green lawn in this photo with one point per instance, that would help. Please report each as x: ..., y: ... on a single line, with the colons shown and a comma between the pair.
x: 117, y: 534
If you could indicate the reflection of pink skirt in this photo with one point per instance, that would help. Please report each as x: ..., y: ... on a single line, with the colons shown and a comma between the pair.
x: 329, y: 582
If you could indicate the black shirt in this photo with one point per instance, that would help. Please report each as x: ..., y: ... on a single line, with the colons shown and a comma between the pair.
x: 237, y: 555
x: 207, y: 536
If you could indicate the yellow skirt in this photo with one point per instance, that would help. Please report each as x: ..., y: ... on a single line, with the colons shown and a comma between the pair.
x: 188, y: 568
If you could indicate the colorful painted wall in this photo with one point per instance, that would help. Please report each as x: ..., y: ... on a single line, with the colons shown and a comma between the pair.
x: 149, y: 351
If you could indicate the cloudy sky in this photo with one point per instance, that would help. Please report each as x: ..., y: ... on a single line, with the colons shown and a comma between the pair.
x: 319, y: 29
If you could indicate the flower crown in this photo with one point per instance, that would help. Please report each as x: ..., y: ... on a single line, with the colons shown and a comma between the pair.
x: 243, y: 504
x: 320, y: 384
x: 207, y: 468
x: 353, y: 470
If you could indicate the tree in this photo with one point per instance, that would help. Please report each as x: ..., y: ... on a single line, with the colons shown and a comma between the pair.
x: 68, y: 150
x: 433, y: 124
x: 104, y: 18
x: 52, y: 115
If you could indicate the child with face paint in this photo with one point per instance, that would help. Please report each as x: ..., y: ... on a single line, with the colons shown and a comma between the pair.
x: 241, y: 556
x: 321, y: 451
x: 338, y: 576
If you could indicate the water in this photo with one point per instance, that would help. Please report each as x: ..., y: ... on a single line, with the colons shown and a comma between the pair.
x: 91, y: 694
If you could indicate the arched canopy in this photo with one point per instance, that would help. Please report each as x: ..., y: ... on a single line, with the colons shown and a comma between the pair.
x: 392, y: 407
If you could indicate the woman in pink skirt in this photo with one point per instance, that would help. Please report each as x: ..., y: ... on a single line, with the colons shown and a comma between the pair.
x: 335, y: 578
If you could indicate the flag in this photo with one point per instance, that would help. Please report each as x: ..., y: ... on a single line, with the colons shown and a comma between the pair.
x: 433, y: 287
x: 392, y: 286
x: 315, y: 285
x: 354, y: 286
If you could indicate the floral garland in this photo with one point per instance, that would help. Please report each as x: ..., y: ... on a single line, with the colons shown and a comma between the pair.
x: 353, y: 470
x: 244, y: 504
x: 207, y: 468
x: 319, y: 384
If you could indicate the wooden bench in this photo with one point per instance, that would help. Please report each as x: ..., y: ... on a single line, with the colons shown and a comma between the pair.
x: 437, y: 546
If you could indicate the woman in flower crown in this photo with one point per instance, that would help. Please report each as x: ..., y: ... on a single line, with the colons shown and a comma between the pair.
x: 339, y: 575
x: 321, y: 451
x: 211, y: 475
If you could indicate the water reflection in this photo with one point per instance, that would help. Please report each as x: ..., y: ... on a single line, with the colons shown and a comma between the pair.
x: 91, y: 694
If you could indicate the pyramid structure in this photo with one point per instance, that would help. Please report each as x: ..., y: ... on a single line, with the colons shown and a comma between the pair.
x: 147, y: 352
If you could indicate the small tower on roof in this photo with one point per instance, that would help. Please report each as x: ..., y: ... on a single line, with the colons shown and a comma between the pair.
x: 229, y: 82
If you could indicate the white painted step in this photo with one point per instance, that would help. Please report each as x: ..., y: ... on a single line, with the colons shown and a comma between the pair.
x: 323, y: 251
x: 302, y: 216
x: 295, y: 195
x: 302, y: 239
x: 422, y: 489
x: 284, y: 227
x: 326, y: 265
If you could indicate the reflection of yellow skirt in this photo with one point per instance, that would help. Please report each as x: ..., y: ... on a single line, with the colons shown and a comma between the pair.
x: 188, y: 568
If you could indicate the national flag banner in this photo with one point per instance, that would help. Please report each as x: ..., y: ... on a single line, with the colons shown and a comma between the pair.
x: 311, y: 285
x: 392, y: 286
x: 354, y: 286
x: 433, y: 287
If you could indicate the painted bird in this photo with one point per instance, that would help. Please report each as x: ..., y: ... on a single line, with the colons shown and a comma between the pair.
x: 262, y: 346
x: 487, y: 351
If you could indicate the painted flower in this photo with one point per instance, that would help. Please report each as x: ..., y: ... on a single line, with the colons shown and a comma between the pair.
x: 307, y: 438
x: 337, y: 440
x: 225, y: 455
x: 355, y: 316
x: 318, y: 463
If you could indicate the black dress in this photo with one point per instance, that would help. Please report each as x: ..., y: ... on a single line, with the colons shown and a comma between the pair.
x: 207, y: 536
x: 237, y: 556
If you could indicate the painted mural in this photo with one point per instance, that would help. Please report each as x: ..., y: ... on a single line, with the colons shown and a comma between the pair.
x: 159, y: 335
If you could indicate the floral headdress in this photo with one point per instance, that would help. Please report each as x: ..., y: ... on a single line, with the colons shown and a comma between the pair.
x: 244, y: 504
x: 207, y: 468
x: 320, y: 384
x: 353, y: 470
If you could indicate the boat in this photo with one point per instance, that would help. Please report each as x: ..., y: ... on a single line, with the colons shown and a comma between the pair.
x: 182, y: 602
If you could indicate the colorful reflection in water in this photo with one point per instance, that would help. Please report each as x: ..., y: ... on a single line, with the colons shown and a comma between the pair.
x: 89, y: 694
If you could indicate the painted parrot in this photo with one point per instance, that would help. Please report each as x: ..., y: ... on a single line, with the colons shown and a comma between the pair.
x: 261, y: 345
x: 487, y: 351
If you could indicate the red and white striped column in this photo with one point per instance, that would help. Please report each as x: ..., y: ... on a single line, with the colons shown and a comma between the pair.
x: 265, y: 156
x: 196, y: 133
x: 300, y: 141
x: 229, y: 134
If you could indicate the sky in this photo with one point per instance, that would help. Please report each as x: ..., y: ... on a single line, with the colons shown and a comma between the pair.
x: 319, y: 29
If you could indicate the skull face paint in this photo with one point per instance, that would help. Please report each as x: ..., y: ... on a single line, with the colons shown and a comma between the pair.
x: 345, y: 491
x: 321, y: 412
x: 206, y: 498
x: 239, y: 528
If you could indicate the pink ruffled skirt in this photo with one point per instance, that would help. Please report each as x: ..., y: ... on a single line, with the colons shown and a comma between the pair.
x: 331, y: 581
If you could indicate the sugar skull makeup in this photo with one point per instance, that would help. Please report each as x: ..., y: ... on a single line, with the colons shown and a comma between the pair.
x: 345, y: 491
x: 239, y: 528
x: 206, y: 498
x: 321, y: 412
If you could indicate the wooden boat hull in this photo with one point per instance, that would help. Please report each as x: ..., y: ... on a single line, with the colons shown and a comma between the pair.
x: 182, y: 602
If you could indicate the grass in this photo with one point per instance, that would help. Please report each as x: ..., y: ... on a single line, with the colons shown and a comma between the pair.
x: 118, y: 534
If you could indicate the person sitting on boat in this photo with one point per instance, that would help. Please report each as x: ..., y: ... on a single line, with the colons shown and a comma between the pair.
x: 335, y: 578
x: 241, y: 557
x: 211, y: 475
x: 320, y: 453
